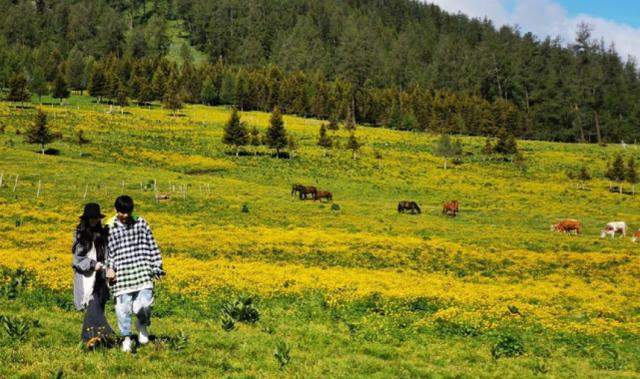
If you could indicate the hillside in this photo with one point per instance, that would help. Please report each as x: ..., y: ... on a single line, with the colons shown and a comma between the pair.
x: 355, y: 291
x: 403, y: 64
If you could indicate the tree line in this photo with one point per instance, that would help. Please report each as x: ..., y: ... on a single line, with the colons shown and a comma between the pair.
x: 397, y: 63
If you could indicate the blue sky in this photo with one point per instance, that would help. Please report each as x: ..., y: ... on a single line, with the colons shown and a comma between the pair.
x: 617, y: 22
x: 623, y: 11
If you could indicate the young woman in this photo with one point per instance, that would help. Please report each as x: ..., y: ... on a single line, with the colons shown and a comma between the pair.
x: 90, y: 291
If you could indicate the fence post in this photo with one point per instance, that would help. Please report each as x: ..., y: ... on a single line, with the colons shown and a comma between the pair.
x: 1, y: 177
x: 39, y: 186
x: 15, y: 184
x: 86, y: 189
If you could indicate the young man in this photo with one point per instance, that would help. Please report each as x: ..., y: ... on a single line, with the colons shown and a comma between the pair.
x: 133, y: 262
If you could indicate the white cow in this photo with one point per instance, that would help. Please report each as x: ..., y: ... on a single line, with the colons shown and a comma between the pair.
x: 614, y: 227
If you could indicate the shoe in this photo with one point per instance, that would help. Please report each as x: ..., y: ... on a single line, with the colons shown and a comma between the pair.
x: 143, y: 334
x: 126, y: 345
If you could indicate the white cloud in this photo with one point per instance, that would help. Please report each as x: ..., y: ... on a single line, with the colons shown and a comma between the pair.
x: 547, y: 18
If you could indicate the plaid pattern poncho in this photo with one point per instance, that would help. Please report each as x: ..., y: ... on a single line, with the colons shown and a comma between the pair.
x: 134, y: 255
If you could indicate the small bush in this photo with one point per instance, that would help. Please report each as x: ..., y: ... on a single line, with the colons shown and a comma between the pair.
x: 282, y: 354
x: 245, y: 208
x: 227, y: 322
x: 17, y: 328
x: 508, y: 345
x: 241, y: 310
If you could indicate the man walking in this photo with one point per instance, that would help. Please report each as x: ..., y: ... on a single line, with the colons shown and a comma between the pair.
x: 133, y: 262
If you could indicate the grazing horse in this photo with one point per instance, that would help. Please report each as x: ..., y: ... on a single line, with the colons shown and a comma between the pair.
x: 310, y: 190
x: 411, y: 206
x: 296, y: 188
x: 324, y: 195
x: 451, y: 208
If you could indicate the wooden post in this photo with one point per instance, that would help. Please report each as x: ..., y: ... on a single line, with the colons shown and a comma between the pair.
x: 1, y: 176
x: 15, y: 184
x: 39, y: 186
x: 86, y: 189
x: 155, y: 185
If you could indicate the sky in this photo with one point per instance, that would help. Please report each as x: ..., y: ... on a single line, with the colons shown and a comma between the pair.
x: 616, y: 21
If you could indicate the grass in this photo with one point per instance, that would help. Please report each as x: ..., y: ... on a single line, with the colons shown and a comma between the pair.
x: 356, y: 292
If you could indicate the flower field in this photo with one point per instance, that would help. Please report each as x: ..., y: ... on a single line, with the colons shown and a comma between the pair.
x: 357, y: 290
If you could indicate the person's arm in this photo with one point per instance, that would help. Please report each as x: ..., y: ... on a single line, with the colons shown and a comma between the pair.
x: 155, y: 257
x: 81, y: 262
x: 109, y: 259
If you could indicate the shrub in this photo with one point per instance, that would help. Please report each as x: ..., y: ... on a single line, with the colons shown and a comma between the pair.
x: 282, y: 354
x: 508, y: 345
x: 241, y: 310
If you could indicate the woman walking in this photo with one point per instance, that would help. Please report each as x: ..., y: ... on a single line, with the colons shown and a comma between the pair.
x: 90, y: 290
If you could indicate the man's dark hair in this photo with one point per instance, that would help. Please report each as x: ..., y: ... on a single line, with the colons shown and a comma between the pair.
x: 124, y: 204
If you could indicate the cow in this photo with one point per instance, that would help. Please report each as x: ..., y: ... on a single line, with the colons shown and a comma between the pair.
x: 324, y: 195
x: 614, y: 227
x: 636, y: 237
x: 567, y: 226
x: 451, y: 208
x: 411, y: 206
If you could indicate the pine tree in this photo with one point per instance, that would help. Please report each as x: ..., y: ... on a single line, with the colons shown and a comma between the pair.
x: 487, y: 149
x: 18, y: 91
x: 350, y: 121
x: 235, y: 132
x: 333, y: 122
x: 506, y: 143
x: 228, y: 90
x: 98, y: 82
x: 354, y: 145
x: 39, y: 132
x: 444, y: 148
x: 292, y: 145
x: 60, y: 89
x: 616, y: 171
x: 74, y: 74
x: 209, y: 93
x: 172, y: 98
x: 276, y: 134
x: 324, y: 140
x: 255, y: 139
x: 38, y: 83
x: 122, y: 96
x: 159, y: 83
x: 632, y: 174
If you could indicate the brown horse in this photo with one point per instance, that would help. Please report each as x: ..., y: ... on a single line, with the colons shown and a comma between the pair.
x: 324, y: 195
x: 411, y: 206
x: 451, y: 208
x: 302, y: 191
x: 296, y: 189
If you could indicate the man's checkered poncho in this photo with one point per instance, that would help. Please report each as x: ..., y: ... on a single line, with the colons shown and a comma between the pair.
x: 133, y: 253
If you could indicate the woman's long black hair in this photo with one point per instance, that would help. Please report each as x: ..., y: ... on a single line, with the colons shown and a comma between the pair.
x: 85, y: 233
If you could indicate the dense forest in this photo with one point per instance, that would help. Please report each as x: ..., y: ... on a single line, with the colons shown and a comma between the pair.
x: 396, y: 63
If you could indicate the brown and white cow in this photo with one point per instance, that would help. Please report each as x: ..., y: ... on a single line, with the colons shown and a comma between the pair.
x: 567, y: 226
x: 636, y: 236
x: 614, y: 227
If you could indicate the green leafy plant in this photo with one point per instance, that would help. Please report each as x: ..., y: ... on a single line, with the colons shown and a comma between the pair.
x: 17, y: 328
x: 508, y: 345
x: 241, y: 309
x: 282, y: 353
x: 227, y: 322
